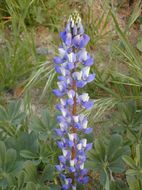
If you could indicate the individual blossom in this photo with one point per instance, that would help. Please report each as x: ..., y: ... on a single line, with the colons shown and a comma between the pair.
x: 73, y: 69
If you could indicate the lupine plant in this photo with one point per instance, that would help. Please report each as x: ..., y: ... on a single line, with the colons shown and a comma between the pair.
x: 73, y: 66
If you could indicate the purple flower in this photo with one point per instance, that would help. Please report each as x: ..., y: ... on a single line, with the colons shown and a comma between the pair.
x: 58, y: 168
x: 58, y: 60
x: 83, y: 179
x: 80, y: 41
x: 88, y: 130
x: 73, y: 66
x: 62, y: 159
x: 89, y: 61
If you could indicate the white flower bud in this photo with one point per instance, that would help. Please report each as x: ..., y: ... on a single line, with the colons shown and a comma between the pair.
x: 79, y: 146
x: 76, y: 119
x: 72, y: 162
x: 84, y: 142
x: 65, y: 152
x: 82, y: 166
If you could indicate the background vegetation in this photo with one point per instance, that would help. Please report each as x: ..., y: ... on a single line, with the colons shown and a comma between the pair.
x: 29, y: 38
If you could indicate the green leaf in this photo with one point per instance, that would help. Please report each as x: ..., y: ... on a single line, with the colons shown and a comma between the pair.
x: 92, y: 165
x: 139, y: 44
x: 10, y: 159
x: 54, y: 187
x: 133, y: 183
x: 132, y: 172
x: 13, y: 109
x: 102, y: 177
x: 48, y: 173
x: 28, y: 154
x: 37, y: 125
x: 139, y: 155
x: 44, y: 125
x: 129, y: 161
x: 124, y: 150
x: 47, y: 118
x: 3, y: 114
x: 118, y: 185
x: 107, y: 182
x: 2, y: 153
x: 31, y: 172
x: 114, y: 144
x: 31, y: 186
x: 24, y: 141
x: 135, y: 14
x: 117, y: 166
x: 21, y: 180
x: 15, y: 115
x: 131, y: 135
x: 100, y: 149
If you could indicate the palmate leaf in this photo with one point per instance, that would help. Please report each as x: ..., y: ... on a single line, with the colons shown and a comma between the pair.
x: 44, y: 126
x: 117, y: 166
x: 45, y: 154
x: 139, y: 155
x: 30, y: 172
x: 2, y: 153
x: 31, y: 186
x: 28, y: 154
x: 48, y: 173
x: 119, y: 185
x: 11, y: 117
x: 133, y: 183
x: 100, y: 149
x: 54, y: 187
x: 133, y: 173
x: 46, y: 176
x: 104, y: 179
x: 25, y: 141
x: 7, y: 158
x: 21, y: 180
x: 106, y: 158
x: 114, y: 144
x: 128, y: 122
x: 10, y: 159
x: 9, y: 166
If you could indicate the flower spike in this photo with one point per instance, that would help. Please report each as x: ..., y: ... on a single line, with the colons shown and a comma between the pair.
x: 73, y: 66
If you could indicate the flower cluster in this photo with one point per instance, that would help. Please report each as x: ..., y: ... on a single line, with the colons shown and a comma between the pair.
x: 73, y: 66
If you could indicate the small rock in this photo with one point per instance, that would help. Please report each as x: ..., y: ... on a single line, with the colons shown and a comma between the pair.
x: 42, y: 50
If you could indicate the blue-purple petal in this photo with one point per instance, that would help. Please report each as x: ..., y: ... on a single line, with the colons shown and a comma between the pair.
x: 88, y: 130
x: 91, y: 78
x: 88, y: 62
x: 58, y: 168
x: 70, y: 66
x: 80, y: 84
x: 88, y: 105
x: 58, y: 60
x: 60, y: 144
x: 59, y: 132
x: 85, y: 39
x: 62, y: 159
x: 70, y: 101
x: 57, y: 92
x: 89, y: 146
x: 58, y: 69
x: 71, y: 169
